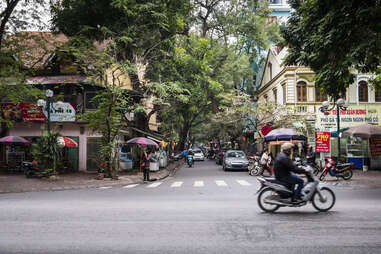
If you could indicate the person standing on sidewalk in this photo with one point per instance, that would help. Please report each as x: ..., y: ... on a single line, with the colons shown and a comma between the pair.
x: 146, y: 168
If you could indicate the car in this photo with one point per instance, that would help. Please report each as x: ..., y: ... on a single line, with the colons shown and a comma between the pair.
x: 235, y: 160
x: 220, y: 155
x: 198, y: 155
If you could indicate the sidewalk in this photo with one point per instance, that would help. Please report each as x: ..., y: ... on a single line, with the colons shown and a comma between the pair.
x: 10, y: 183
x: 360, y: 180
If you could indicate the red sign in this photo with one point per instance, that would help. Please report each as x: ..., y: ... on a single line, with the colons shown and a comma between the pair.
x: 375, y: 146
x: 323, y: 141
x: 27, y: 112
x: 265, y: 130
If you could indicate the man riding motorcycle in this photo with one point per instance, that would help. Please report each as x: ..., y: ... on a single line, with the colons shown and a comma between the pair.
x: 283, y: 168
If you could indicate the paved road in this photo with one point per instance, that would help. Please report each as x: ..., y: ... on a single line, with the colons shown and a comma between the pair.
x: 200, y: 210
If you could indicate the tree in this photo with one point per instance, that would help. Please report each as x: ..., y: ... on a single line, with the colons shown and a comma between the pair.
x: 19, y: 15
x: 333, y: 38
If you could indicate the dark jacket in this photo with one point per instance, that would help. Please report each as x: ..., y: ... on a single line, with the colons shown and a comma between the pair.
x: 283, y: 166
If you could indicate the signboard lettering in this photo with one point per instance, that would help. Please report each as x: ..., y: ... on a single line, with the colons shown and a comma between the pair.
x: 323, y: 141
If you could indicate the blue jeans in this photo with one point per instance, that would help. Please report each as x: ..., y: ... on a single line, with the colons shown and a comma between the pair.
x: 294, y: 180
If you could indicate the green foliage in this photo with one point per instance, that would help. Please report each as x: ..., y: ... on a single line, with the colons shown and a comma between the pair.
x: 47, y: 152
x: 333, y: 37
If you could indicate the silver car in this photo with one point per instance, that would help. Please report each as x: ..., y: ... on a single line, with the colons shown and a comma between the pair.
x: 235, y: 160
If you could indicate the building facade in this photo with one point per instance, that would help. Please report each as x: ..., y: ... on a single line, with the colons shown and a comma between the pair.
x: 294, y: 87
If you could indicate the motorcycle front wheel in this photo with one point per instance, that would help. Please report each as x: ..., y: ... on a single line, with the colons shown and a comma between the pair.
x: 254, y: 171
x: 267, y: 194
x: 325, y: 201
x: 347, y: 174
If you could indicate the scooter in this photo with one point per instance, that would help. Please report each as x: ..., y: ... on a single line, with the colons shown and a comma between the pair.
x: 343, y: 170
x: 254, y: 167
x: 30, y: 170
x: 309, y: 165
x: 190, y: 160
x: 274, y: 194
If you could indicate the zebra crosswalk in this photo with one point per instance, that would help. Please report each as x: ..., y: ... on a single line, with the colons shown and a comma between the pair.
x: 179, y: 184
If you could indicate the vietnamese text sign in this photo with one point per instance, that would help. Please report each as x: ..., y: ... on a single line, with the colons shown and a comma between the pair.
x: 323, y: 142
x: 375, y: 146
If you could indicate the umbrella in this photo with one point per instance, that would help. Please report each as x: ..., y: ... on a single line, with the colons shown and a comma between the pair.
x: 67, y: 142
x: 283, y: 134
x: 142, y: 141
x: 14, y: 140
x: 364, y: 131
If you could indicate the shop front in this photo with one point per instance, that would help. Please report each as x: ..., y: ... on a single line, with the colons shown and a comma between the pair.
x: 352, y: 149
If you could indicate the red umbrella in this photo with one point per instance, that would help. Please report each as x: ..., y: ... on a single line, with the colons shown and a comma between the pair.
x: 14, y: 140
x: 68, y: 142
x: 142, y: 141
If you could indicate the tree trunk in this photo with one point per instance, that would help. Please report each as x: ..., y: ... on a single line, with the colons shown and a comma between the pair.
x: 183, y: 137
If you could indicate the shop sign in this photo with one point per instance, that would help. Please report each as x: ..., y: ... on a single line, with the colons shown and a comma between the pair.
x: 30, y: 112
x: 353, y: 116
x: 323, y: 140
x: 375, y: 146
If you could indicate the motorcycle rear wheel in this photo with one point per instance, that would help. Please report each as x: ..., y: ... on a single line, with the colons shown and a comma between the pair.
x: 322, y: 176
x: 265, y: 193
x: 254, y: 171
x: 330, y: 199
x: 347, y: 174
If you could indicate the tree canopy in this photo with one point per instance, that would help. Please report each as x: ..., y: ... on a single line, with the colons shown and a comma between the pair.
x: 334, y: 38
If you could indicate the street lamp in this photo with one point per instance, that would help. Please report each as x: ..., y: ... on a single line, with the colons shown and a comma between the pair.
x: 47, y: 104
x: 340, y: 104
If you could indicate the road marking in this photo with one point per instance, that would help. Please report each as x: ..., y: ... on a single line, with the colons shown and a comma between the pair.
x: 130, y: 186
x: 105, y: 188
x: 243, y: 183
x: 154, y: 185
x: 198, y: 184
x: 176, y: 184
x: 221, y: 183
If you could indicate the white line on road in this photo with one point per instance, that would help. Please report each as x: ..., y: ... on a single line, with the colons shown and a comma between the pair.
x: 198, y: 184
x: 176, y: 184
x: 130, y: 186
x: 221, y: 183
x: 243, y: 183
x: 105, y: 188
x: 154, y: 185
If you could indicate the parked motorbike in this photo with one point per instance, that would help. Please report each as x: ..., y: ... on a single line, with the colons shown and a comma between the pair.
x: 30, y: 170
x: 254, y: 166
x: 190, y: 160
x: 343, y: 170
x: 274, y: 194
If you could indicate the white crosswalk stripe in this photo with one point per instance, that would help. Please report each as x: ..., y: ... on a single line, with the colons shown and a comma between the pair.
x: 243, y: 182
x: 176, y: 184
x: 154, y: 185
x: 198, y: 184
x: 105, y: 187
x: 221, y: 183
x: 130, y: 186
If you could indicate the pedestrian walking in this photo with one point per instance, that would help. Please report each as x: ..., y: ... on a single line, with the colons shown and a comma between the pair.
x: 146, y: 166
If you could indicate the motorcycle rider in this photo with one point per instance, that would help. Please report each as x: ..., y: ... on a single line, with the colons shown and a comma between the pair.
x: 283, y: 168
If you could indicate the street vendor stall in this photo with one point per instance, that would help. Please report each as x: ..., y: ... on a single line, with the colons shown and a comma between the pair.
x: 366, y: 140
x: 277, y: 137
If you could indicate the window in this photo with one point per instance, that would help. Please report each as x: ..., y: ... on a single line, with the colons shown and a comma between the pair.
x: 301, y: 91
x: 378, y: 96
x: 363, y: 91
x: 89, y: 104
x: 284, y: 93
x: 275, y: 95
x: 319, y: 95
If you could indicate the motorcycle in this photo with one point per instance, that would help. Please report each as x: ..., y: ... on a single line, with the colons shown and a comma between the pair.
x: 30, y: 170
x: 343, y: 170
x: 315, y: 169
x: 254, y: 166
x: 190, y: 160
x: 274, y: 194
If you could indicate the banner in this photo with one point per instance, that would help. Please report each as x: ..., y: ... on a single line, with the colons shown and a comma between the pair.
x: 375, y: 146
x: 323, y: 142
x: 30, y: 112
